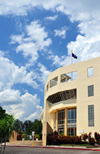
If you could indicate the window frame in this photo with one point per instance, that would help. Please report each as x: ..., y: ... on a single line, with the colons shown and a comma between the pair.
x: 88, y: 71
x: 90, y: 90
x: 90, y: 115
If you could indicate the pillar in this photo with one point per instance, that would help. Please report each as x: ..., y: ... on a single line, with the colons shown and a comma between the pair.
x: 65, y: 130
x: 56, y: 120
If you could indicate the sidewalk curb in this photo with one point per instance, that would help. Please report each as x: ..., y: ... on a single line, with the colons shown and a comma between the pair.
x: 53, y: 147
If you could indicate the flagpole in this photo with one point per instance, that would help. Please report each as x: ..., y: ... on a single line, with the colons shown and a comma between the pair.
x: 71, y: 63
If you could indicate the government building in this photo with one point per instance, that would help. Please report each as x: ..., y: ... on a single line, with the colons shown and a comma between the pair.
x: 72, y: 99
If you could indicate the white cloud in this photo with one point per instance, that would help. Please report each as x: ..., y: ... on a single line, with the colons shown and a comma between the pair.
x: 37, y: 40
x: 85, y: 12
x: 60, y: 61
x: 78, y: 10
x: 61, y: 33
x: 44, y: 73
x: 88, y: 45
x: 16, y: 38
x: 11, y: 74
x: 8, y: 97
x: 52, y: 17
x: 29, y: 108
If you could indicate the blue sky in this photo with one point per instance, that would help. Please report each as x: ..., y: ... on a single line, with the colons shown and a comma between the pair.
x: 37, y: 37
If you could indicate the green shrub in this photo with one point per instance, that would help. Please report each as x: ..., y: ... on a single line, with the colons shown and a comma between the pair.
x: 23, y: 135
x: 37, y: 136
x: 40, y: 136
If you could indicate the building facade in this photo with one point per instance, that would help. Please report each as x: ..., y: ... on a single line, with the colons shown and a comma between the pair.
x: 72, y: 99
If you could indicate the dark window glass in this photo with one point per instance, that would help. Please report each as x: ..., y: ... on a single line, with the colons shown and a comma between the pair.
x: 91, y: 90
x: 71, y: 122
x: 90, y: 115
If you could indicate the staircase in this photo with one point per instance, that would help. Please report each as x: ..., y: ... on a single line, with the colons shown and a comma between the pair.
x: 29, y: 143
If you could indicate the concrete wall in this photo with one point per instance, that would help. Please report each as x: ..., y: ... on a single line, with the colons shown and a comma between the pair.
x: 46, y: 131
x: 13, y: 136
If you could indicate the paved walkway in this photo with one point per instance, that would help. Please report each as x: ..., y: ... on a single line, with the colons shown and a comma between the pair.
x: 30, y: 144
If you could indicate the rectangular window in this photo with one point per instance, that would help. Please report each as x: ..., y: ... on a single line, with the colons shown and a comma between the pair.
x: 90, y: 71
x: 61, y: 116
x: 91, y: 90
x: 47, y: 87
x: 71, y: 121
x: 90, y: 115
x: 53, y: 82
x: 69, y: 77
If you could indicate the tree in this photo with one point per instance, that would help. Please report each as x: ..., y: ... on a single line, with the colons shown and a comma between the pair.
x: 37, y: 127
x: 27, y: 124
x: 18, y: 125
x: 6, y: 127
x: 2, y: 112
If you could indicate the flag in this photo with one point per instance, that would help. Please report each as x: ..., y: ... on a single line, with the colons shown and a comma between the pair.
x: 73, y: 55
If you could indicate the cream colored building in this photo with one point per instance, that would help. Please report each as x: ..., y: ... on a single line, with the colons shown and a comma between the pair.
x: 72, y: 99
x: 41, y: 116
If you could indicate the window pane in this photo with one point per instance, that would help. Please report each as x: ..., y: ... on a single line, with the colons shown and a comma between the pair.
x: 69, y: 114
x: 61, y: 116
x: 53, y: 82
x: 71, y: 122
x: 90, y: 71
x: 91, y: 90
x: 74, y: 75
x: 90, y: 115
x: 72, y: 114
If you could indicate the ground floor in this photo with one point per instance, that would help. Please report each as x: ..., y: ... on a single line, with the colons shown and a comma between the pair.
x: 65, y: 121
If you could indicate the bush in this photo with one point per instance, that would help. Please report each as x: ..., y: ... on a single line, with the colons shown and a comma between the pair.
x: 37, y: 136
x: 19, y: 137
x: 91, y: 141
x: 97, y: 136
x: 85, y: 136
x: 23, y: 135
x: 62, y: 139
x: 52, y: 139
x: 40, y: 136
x: 77, y: 140
x: 98, y: 141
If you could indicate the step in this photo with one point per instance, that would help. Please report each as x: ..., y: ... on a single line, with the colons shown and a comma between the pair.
x: 36, y: 143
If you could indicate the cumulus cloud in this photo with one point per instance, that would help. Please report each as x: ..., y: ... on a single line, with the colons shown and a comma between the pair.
x: 16, y: 38
x: 61, y: 33
x: 29, y: 108
x: 52, y: 17
x: 44, y: 73
x: 36, y: 40
x: 11, y: 74
x: 60, y: 61
x: 9, y: 96
x: 86, y: 46
x: 85, y: 12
